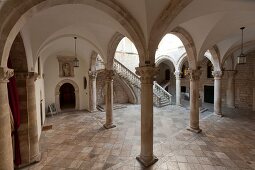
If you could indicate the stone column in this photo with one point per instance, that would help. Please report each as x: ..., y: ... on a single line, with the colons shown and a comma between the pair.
x: 194, y: 100
x: 109, y: 99
x: 253, y: 105
x: 178, y: 87
x: 230, y: 93
x: 6, y: 152
x: 92, y: 91
x: 217, y: 92
x: 34, y: 154
x: 147, y: 74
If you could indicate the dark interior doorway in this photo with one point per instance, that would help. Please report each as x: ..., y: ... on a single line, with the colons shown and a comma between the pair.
x: 67, y: 96
x: 167, y: 74
x: 209, y: 94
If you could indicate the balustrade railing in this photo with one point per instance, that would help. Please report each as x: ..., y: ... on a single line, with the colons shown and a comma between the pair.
x: 160, y: 95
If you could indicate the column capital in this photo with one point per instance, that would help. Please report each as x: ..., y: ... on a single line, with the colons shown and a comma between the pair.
x: 92, y: 75
x: 32, y: 75
x: 5, y: 74
x: 194, y: 74
x: 217, y: 74
x: 147, y: 73
x: 109, y: 75
x: 178, y: 74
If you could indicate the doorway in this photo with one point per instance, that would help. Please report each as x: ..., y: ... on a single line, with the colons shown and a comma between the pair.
x: 209, y: 94
x: 67, y: 96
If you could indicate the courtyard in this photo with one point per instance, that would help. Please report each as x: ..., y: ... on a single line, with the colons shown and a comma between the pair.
x: 78, y: 140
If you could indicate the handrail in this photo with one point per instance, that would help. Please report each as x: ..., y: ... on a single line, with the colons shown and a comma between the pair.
x: 119, y: 67
x: 158, y: 91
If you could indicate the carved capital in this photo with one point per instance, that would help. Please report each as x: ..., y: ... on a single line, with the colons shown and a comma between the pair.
x: 217, y: 74
x: 147, y: 74
x: 178, y: 74
x: 5, y: 74
x: 92, y: 75
x: 194, y: 74
x: 109, y: 75
x: 32, y: 75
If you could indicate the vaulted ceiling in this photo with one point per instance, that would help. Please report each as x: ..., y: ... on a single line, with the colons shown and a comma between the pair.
x: 48, y: 27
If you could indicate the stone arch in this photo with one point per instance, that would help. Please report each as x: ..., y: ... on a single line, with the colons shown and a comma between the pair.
x: 161, y: 25
x: 215, y: 59
x: 188, y: 44
x: 76, y: 91
x: 50, y: 41
x: 181, y: 61
x: 167, y: 59
x: 17, y: 55
x: 112, y: 46
x: 16, y: 14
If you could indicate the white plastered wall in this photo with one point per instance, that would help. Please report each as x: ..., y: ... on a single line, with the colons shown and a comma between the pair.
x: 51, y: 79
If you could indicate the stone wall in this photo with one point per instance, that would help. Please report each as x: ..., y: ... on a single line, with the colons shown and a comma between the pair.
x: 244, y: 83
x: 119, y: 93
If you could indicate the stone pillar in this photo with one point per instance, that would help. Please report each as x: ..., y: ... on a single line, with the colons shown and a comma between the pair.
x: 109, y: 99
x: 230, y: 93
x: 34, y: 154
x: 253, y: 104
x: 92, y: 91
x: 147, y: 74
x: 194, y: 100
x: 6, y: 152
x: 217, y: 92
x: 178, y: 87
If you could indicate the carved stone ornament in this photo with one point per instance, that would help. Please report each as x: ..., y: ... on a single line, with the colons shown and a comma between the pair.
x: 32, y: 75
x: 66, y: 68
x: 92, y: 75
x: 147, y: 74
x: 109, y: 75
x: 217, y: 74
x: 177, y: 74
x: 194, y: 74
x: 25, y: 75
x: 5, y: 74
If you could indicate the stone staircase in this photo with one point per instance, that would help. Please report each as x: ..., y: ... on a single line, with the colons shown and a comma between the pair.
x: 160, y: 96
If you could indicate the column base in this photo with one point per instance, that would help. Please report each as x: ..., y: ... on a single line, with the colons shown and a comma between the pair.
x: 218, y: 114
x: 106, y: 126
x: 198, y: 130
x: 145, y: 161
x: 92, y: 111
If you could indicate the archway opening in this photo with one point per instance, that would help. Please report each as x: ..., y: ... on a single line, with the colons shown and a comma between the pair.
x: 67, y: 96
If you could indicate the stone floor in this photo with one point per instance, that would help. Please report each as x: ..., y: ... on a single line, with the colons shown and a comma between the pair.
x: 78, y: 141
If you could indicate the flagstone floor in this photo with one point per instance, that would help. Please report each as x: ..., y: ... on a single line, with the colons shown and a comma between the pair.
x: 78, y: 141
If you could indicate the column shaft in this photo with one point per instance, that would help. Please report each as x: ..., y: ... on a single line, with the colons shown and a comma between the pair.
x: 34, y: 154
x: 6, y: 151
x: 93, y: 92
x: 178, y: 88
x: 217, y: 92
x: 194, y: 100
x: 147, y: 74
x: 109, y: 99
